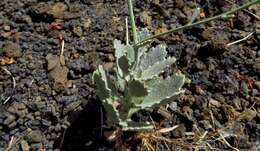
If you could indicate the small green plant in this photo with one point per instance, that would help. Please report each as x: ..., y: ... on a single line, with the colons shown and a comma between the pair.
x: 137, y: 84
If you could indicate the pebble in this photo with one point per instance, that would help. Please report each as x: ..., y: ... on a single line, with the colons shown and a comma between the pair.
x: 258, y: 54
x: 257, y: 85
x: 77, y: 31
x: 244, y: 88
x: 71, y: 107
x: 24, y: 145
x: 7, y: 28
x: 12, y: 125
x: 173, y: 106
x: 10, y: 118
x: 36, y: 147
x: 86, y: 24
x: 34, y: 136
x: 256, y: 66
x: 57, y: 72
x: 12, y: 49
x: 146, y: 18
x: 214, y: 103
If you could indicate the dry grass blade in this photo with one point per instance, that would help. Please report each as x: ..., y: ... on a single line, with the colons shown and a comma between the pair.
x: 227, y: 143
x: 168, y: 129
x: 240, y: 40
x: 10, y: 144
x: 14, y: 83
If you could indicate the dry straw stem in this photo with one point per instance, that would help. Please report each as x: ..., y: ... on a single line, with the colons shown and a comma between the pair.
x: 240, y: 40
x: 187, y: 26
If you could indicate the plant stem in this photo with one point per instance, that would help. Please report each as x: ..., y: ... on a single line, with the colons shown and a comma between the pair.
x: 200, y: 22
x: 132, y: 18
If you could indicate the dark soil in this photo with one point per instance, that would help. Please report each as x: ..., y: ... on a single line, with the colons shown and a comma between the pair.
x: 53, y: 105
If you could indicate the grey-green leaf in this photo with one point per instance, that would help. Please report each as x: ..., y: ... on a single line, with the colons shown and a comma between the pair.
x: 156, y: 54
x: 124, y: 65
x: 156, y: 68
x: 125, y: 56
x: 112, y: 113
x: 99, y: 77
x: 143, y: 34
x: 119, y: 49
x: 137, y: 89
x: 160, y: 90
x: 136, y: 126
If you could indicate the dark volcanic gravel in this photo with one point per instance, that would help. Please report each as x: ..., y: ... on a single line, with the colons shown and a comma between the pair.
x: 54, y: 107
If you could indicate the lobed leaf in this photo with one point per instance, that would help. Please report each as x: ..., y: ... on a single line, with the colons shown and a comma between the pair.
x: 136, y: 126
x: 136, y: 91
x: 143, y: 34
x: 125, y: 56
x: 111, y: 111
x: 99, y: 77
x: 156, y: 68
x: 160, y: 90
x: 156, y: 54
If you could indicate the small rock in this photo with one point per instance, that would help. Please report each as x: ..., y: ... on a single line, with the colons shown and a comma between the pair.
x: 77, y: 31
x: 199, y: 90
x: 12, y: 125
x: 160, y: 30
x: 10, y: 118
x: 258, y: 54
x: 256, y: 66
x: 108, y: 66
x: 18, y: 108
x: 200, y: 65
x: 25, y: 146
x: 214, y: 103
x: 216, y: 42
x: 58, y: 10
x: 244, y: 88
x: 52, y: 61
x: 71, y: 107
x: 188, y: 112
x: 36, y: 146
x: 7, y: 28
x: 146, y: 18
x: 86, y: 24
x: 179, y: 3
x: 57, y: 72
x: 69, y: 15
x: 173, y: 106
x: 34, y: 136
x: 12, y: 50
x: 257, y: 85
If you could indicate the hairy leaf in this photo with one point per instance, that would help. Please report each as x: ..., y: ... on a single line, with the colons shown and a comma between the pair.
x: 111, y: 111
x: 156, y: 68
x: 136, y: 126
x: 160, y: 90
x: 124, y: 66
x: 125, y: 56
x: 156, y: 54
x: 137, y: 91
x: 120, y: 49
x: 99, y: 77
x: 143, y: 34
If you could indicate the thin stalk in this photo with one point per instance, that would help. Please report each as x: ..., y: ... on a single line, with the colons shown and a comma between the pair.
x: 132, y: 19
x: 223, y: 15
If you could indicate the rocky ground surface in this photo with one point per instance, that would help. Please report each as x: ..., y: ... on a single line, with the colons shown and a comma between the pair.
x: 48, y: 101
